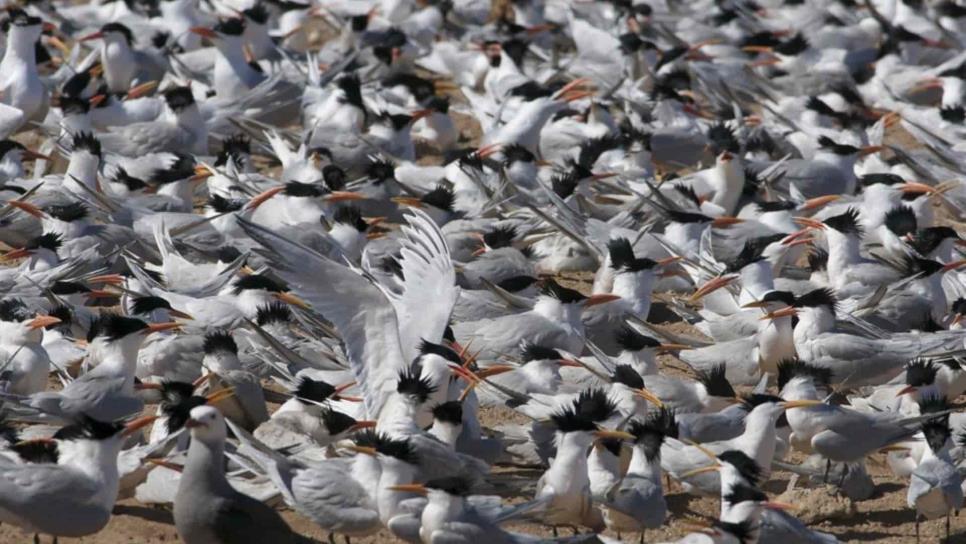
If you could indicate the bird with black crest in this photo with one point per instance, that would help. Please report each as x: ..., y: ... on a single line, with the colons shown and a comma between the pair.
x: 637, y: 502
x: 399, y: 420
x: 107, y: 391
x: 689, y: 463
x: 935, y: 489
x: 501, y: 257
x: 72, y: 491
x: 27, y: 363
x: 566, y: 483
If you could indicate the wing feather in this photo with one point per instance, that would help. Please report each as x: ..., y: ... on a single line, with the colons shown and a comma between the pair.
x: 358, y: 309
x: 429, y: 290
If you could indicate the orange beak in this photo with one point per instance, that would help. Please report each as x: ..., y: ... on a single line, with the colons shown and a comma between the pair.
x: 488, y: 150
x: 907, y: 390
x: 42, y: 321
x: 819, y: 201
x: 409, y: 201
x: 262, y: 197
x: 341, y: 196
x: 16, y: 254
x: 570, y: 363
x: 784, y: 312
x: 204, y: 32
x: 27, y: 208
x: 725, y: 221
x: 594, y: 300
x: 141, y: 90
x: 158, y: 327
x: 713, y: 285
x: 138, y: 424
x: 362, y: 424
x: 110, y: 279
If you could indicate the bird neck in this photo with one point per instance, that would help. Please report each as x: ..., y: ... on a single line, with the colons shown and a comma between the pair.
x: 447, y: 433
x: 394, y: 472
x: 20, y: 49
x: 568, y: 471
x: 205, y: 466
x: 728, y: 181
x: 82, y: 169
x: 641, y: 465
x: 813, y: 322
x: 635, y: 289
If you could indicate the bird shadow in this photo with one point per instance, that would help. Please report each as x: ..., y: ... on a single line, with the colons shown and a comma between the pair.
x: 157, y: 515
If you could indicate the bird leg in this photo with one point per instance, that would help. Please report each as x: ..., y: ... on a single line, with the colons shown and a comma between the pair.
x: 917, y: 528
x: 845, y: 469
x: 555, y: 531
x: 828, y: 465
x: 332, y: 538
x: 947, y: 526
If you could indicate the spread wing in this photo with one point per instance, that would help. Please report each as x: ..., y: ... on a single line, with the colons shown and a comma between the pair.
x: 357, y: 308
x: 429, y: 290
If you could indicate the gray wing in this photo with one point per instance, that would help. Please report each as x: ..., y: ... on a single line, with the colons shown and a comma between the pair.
x: 98, y: 396
x: 778, y: 526
x: 333, y: 500
x: 142, y: 138
x: 249, y: 393
x: 62, y: 493
x: 357, y: 308
x: 502, y: 336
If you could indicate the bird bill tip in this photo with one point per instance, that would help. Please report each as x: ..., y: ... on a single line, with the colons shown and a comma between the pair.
x: 220, y: 395
x: 594, y: 300
x: 289, y: 298
x: 27, y: 208
x: 649, y: 397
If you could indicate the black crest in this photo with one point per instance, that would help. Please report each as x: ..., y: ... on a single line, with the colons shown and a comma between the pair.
x: 146, y: 305
x: 500, y: 237
x: 113, y: 327
x: 441, y: 197
x: 715, y: 381
x: 351, y: 216
x: 313, y: 390
x: 816, y: 298
x: 846, y: 223
x: 13, y: 309
x: 626, y: 375
x: 220, y: 342
x: 745, y: 465
x: 534, y: 352
x: 631, y: 340
x: 85, y: 141
x: 88, y: 428
x: 411, y: 383
x: 179, y: 98
x: 230, y: 27
x: 426, y: 347
x: 257, y: 281
x: 565, y: 295
x: 901, y: 220
x: 336, y: 422
x: 449, y: 412
x: 792, y: 368
x: 273, y: 312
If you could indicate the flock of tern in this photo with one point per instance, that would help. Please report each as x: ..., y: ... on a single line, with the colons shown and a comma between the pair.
x: 311, y: 254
